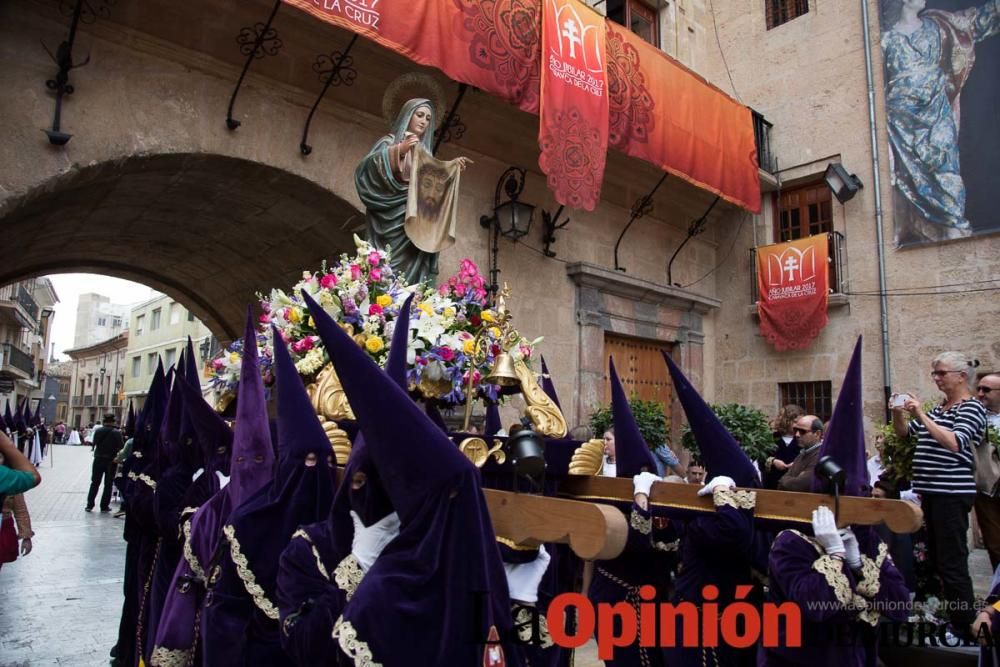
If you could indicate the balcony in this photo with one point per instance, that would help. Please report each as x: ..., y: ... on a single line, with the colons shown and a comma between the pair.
x: 17, y: 306
x: 88, y: 401
x: 77, y: 401
x: 838, y: 273
x: 16, y: 362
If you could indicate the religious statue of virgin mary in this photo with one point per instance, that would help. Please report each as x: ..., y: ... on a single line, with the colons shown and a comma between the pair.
x: 410, y: 197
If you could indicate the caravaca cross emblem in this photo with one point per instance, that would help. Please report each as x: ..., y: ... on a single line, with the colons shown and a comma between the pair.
x: 578, y: 41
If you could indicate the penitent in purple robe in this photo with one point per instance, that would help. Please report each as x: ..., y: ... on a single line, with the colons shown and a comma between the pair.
x: 251, y: 460
x: 240, y: 619
x: 840, y: 608
x: 437, y: 594
x: 618, y: 580
x: 318, y: 572
x: 717, y: 549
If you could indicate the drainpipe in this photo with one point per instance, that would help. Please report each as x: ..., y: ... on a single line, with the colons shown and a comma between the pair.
x: 879, y: 246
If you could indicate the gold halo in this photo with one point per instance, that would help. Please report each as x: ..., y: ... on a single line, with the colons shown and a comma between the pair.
x: 408, y: 87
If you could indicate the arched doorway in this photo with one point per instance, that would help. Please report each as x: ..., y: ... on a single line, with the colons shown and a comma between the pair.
x: 206, y: 229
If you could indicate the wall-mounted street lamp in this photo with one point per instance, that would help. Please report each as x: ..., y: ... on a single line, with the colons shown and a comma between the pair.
x: 842, y: 184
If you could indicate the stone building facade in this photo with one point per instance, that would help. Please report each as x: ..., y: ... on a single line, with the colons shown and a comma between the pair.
x: 209, y: 215
x: 96, y: 381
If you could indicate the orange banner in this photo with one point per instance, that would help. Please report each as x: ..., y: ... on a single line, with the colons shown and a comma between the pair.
x: 792, y: 281
x: 660, y: 112
x: 573, y: 118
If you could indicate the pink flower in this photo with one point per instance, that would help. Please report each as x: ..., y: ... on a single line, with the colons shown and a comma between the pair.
x: 446, y: 353
x: 460, y: 290
x: 218, y: 364
x: 264, y: 318
x: 375, y: 275
x: 375, y: 309
x: 374, y: 258
x: 525, y: 351
x: 443, y: 290
x: 265, y: 306
x: 303, y: 345
x: 329, y: 281
x: 355, y: 272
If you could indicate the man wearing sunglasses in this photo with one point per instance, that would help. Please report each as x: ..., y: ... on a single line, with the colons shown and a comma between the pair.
x: 808, y: 429
x: 988, y: 468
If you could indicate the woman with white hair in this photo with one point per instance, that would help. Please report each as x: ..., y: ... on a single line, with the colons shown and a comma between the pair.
x: 944, y: 475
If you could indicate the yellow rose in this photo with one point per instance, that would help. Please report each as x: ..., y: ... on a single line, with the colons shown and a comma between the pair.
x: 469, y: 346
x: 385, y: 300
x: 234, y: 357
x: 294, y: 315
x: 374, y: 344
x: 449, y: 312
x: 495, y: 331
x: 488, y: 316
x: 312, y: 322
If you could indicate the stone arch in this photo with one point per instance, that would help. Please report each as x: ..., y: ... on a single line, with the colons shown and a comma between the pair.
x: 207, y: 229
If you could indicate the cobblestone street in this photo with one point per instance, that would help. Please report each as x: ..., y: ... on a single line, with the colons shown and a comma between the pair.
x: 62, y: 602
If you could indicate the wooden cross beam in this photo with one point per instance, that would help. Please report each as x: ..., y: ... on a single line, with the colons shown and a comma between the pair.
x: 593, y: 531
x: 900, y: 516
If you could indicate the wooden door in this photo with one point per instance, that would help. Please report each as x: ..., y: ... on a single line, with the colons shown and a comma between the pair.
x: 640, y: 368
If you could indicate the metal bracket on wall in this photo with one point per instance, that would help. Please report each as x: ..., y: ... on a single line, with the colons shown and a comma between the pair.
x: 82, y: 11
x: 452, y: 129
x: 694, y: 229
x: 333, y: 70
x: 549, y: 227
x: 641, y: 207
x: 255, y: 42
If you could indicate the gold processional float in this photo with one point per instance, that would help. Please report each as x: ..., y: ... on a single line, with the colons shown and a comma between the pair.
x: 594, y: 531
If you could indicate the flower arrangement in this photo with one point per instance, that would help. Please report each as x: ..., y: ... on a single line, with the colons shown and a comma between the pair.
x: 362, y: 293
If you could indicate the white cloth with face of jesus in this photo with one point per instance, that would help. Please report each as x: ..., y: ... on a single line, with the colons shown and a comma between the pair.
x: 432, y: 201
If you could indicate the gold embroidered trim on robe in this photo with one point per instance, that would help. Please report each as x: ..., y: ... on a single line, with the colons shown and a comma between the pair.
x: 247, y: 576
x: 143, y: 477
x: 189, y: 556
x: 511, y: 544
x: 871, y: 571
x: 640, y: 523
x: 523, y: 623
x: 833, y: 571
x: 348, y: 575
x: 667, y: 546
x: 171, y: 657
x: 319, y: 561
x: 737, y: 499
x: 354, y: 648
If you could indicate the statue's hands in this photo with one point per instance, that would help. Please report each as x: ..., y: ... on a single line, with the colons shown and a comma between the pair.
x: 408, y: 143
x: 463, y: 162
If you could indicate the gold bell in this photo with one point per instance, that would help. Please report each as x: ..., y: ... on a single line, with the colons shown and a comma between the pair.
x: 503, y: 372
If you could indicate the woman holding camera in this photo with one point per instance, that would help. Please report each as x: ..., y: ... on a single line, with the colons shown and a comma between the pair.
x: 944, y: 475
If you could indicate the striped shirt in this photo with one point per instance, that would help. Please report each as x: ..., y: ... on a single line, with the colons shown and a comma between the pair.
x: 937, y: 469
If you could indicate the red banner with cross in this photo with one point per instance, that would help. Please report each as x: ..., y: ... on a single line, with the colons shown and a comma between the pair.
x: 573, y: 118
x: 660, y: 111
x: 792, y: 281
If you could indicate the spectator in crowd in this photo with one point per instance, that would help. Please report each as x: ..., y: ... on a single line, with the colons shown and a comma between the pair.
x: 786, y: 444
x: 14, y: 507
x: 107, y: 444
x: 988, y: 467
x: 944, y: 476
x: 17, y: 475
x: 808, y: 431
x: 696, y: 473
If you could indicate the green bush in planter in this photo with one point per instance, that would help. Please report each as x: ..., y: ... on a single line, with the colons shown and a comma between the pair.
x: 653, y: 424
x: 748, y: 425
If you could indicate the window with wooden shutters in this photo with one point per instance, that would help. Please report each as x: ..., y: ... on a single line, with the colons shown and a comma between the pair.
x: 638, y: 17
x: 804, y: 211
x: 777, y: 12
x: 813, y: 397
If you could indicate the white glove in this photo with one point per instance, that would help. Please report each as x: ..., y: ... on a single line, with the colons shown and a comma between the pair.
x: 643, y: 482
x: 523, y: 578
x: 826, y: 533
x: 369, y: 541
x: 910, y: 495
x: 715, y: 483
x: 197, y: 474
x: 223, y: 479
x: 852, y: 552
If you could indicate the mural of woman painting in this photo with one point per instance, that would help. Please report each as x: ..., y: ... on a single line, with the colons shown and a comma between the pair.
x: 928, y: 56
x: 383, y: 181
